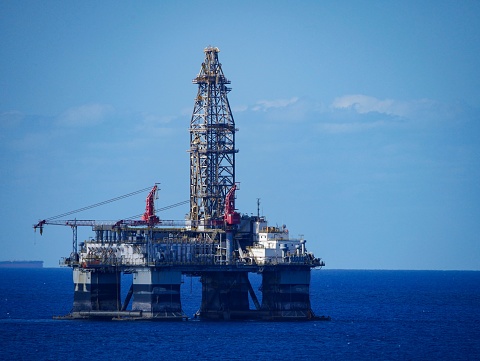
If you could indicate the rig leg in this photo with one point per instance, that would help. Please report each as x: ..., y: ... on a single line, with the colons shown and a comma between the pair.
x: 286, y: 294
x: 157, y: 293
x: 96, y: 291
x: 224, y: 296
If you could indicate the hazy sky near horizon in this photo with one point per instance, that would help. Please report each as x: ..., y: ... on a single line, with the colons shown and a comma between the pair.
x: 358, y: 120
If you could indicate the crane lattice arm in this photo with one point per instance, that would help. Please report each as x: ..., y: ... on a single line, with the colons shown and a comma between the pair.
x: 148, y: 218
x: 62, y: 222
x: 230, y: 216
x: 149, y: 215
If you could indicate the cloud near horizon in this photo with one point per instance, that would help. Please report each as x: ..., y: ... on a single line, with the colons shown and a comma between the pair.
x: 359, y: 112
x: 363, y: 104
x: 349, y: 127
x: 264, y: 105
x: 85, y: 115
x: 420, y: 109
x: 359, y: 103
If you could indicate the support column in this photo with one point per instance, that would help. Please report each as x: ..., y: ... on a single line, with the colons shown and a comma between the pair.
x: 157, y: 293
x: 224, y: 295
x: 286, y: 293
x: 96, y: 291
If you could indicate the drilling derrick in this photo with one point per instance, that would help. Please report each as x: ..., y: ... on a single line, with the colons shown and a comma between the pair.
x: 212, y: 143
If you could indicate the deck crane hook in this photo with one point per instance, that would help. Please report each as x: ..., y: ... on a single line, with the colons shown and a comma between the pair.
x: 39, y: 225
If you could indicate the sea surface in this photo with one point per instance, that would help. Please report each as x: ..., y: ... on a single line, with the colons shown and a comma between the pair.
x: 375, y: 315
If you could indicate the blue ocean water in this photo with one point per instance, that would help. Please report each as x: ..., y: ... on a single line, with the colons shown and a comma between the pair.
x: 376, y: 315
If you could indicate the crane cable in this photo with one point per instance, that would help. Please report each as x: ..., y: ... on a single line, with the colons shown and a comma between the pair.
x: 161, y: 209
x: 97, y: 204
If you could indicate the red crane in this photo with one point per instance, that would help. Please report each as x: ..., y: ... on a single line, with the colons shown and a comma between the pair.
x: 230, y: 216
x: 149, y: 215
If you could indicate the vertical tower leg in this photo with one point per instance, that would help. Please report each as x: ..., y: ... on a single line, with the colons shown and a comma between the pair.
x: 224, y: 295
x: 286, y: 293
x: 157, y: 293
x: 95, y: 291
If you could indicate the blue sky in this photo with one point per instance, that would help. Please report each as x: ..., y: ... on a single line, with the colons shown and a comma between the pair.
x: 358, y: 120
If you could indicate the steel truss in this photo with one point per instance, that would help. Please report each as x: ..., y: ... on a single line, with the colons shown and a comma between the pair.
x: 212, y: 142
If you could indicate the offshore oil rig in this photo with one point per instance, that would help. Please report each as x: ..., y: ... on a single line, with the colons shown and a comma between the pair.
x: 214, y: 242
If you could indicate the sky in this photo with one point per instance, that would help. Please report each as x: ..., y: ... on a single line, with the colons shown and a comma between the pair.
x: 359, y: 121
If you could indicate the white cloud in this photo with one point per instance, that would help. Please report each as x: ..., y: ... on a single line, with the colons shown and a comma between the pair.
x: 355, y: 113
x: 350, y: 127
x: 149, y: 121
x: 291, y: 110
x: 10, y: 118
x: 424, y: 109
x: 239, y: 108
x: 264, y: 105
x: 85, y: 115
x: 33, y: 142
x: 151, y: 125
x: 363, y: 104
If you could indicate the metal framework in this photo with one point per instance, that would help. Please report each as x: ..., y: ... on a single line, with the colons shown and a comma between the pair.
x: 212, y: 142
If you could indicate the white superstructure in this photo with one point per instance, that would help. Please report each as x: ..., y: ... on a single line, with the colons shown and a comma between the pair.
x: 273, y: 245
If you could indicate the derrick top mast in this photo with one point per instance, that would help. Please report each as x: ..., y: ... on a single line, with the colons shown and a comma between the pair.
x: 212, y: 142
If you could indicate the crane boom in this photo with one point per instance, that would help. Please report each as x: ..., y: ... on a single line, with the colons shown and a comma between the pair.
x: 113, y: 224
x: 230, y: 216
x: 149, y: 218
x: 149, y: 215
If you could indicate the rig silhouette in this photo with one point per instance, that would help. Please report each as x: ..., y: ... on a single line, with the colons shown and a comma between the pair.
x: 214, y: 242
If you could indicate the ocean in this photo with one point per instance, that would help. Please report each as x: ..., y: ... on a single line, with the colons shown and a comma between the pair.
x: 375, y: 315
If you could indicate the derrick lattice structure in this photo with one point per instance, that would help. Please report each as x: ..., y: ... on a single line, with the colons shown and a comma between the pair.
x: 212, y: 142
